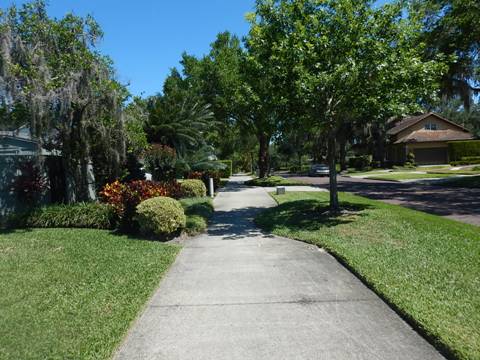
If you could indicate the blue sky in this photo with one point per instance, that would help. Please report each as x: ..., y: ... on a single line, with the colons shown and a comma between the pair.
x: 145, y: 38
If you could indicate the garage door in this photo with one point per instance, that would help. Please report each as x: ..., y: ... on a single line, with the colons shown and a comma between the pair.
x: 431, y: 156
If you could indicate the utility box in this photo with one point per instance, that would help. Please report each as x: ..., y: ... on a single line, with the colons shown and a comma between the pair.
x: 280, y: 190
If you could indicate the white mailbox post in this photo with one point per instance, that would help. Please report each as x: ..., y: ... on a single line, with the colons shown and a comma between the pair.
x: 210, y: 187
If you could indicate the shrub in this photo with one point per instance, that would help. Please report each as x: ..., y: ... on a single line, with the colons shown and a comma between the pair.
x: 160, y: 216
x: 465, y: 162
x: 459, y: 149
x: 297, y: 169
x: 360, y: 162
x: 272, y: 181
x: 227, y: 172
x: 30, y: 185
x: 193, y: 188
x: 476, y: 168
x: 160, y: 161
x: 410, y: 163
x: 204, y: 176
x: 125, y: 197
x: 198, y: 211
x: 79, y: 215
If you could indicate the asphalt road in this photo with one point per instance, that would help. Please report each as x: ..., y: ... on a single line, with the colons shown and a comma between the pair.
x: 460, y: 204
x: 236, y: 293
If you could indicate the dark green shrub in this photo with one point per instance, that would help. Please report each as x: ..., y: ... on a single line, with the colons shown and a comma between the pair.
x: 459, y: 149
x: 465, y: 162
x: 360, y: 162
x: 205, y: 176
x: 160, y: 161
x: 227, y: 172
x: 160, y: 216
x: 410, y: 163
x: 272, y: 181
x: 81, y: 215
x: 192, y: 188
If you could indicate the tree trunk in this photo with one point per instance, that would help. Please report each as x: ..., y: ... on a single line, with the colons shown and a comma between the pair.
x: 334, y: 205
x: 263, y: 140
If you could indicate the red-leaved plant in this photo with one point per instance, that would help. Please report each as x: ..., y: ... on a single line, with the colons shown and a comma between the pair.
x: 125, y: 197
x: 30, y: 185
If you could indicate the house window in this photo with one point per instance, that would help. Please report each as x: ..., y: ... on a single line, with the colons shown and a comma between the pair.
x: 431, y: 126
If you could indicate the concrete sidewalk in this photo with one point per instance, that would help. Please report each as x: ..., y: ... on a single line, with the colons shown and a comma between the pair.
x: 235, y: 293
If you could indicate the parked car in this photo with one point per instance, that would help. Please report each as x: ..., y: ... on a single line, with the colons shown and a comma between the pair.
x: 319, y: 170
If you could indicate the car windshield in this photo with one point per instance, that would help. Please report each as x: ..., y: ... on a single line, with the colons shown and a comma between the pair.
x: 320, y: 166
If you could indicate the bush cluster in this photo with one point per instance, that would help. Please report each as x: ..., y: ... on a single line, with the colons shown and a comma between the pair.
x: 360, y: 162
x: 192, y: 188
x: 472, y: 161
x: 80, y: 215
x: 125, y: 197
x: 297, y: 169
x: 204, y: 176
x: 160, y: 161
x: 160, y: 216
x: 460, y: 149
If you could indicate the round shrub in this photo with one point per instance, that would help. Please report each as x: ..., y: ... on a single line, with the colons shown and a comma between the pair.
x: 160, y: 216
x: 193, y: 188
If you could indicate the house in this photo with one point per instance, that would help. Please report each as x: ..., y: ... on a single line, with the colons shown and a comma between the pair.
x: 17, y: 146
x: 426, y: 136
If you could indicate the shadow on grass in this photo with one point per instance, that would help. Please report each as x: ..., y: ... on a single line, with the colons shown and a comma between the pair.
x: 309, y: 215
x: 9, y: 230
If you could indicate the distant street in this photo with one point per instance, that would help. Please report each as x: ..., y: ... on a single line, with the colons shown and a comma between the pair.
x: 460, y: 204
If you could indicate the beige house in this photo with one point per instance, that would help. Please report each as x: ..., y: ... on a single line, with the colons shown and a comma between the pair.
x: 426, y: 136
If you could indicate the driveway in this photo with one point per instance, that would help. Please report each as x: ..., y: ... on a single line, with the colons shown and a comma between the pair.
x: 236, y: 293
x: 460, y: 204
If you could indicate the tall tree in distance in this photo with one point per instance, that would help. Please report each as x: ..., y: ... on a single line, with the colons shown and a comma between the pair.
x: 452, y: 28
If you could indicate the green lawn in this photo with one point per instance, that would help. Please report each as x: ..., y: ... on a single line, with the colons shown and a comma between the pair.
x: 273, y: 181
x: 427, y: 266
x: 407, y: 176
x: 73, y: 293
x: 198, y: 211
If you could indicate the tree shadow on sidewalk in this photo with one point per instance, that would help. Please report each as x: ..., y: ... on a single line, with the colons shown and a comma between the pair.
x: 236, y: 224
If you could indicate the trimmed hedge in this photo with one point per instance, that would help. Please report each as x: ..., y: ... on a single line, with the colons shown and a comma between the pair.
x: 473, y: 161
x: 80, y: 215
x: 193, y: 188
x: 228, y: 171
x: 460, y: 149
x: 160, y: 216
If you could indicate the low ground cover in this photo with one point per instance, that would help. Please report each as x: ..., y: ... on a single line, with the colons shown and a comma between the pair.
x: 198, y: 211
x: 73, y: 293
x: 425, y: 265
x: 273, y: 181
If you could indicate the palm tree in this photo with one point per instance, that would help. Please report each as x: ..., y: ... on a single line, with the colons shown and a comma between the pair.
x: 180, y: 125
